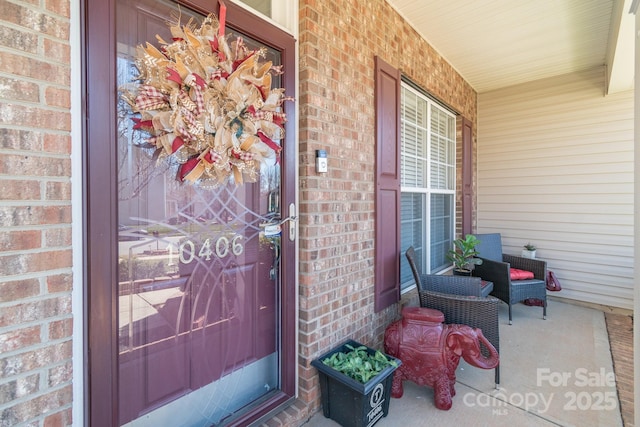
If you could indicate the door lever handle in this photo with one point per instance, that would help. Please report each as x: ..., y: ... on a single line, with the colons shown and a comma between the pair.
x: 276, y: 223
x: 292, y: 221
x: 274, y: 226
x: 289, y: 218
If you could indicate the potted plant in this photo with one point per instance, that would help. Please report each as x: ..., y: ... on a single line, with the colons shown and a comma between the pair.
x: 463, y: 255
x: 529, y: 251
x: 355, y: 384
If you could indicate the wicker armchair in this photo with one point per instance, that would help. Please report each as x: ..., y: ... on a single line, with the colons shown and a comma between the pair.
x: 458, y: 298
x: 496, y: 268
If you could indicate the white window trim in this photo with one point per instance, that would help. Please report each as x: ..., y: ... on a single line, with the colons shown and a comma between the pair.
x: 428, y: 190
x: 284, y: 14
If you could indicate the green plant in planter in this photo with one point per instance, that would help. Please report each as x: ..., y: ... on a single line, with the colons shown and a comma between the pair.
x: 464, y: 253
x: 358, y: 363
x: 355, y: 383
x: 529, y: 251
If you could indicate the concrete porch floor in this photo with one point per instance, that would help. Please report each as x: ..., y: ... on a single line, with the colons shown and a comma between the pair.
x: 554, y: 372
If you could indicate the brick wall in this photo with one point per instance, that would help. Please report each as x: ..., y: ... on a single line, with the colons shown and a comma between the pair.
x: 35, y: 214
x: 338, y: 42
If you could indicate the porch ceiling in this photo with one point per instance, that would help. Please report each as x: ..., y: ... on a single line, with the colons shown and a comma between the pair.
x: 499, y: 43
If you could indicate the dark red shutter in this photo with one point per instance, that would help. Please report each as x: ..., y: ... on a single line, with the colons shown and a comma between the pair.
x: 467, y: 177
x: 387, y: 270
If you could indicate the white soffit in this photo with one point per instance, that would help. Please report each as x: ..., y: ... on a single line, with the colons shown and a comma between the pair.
x: 620, y: 51
x: 499, y: 43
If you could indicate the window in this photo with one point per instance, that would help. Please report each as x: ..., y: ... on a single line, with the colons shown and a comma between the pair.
x: 279, y: 11
x: 262, y: 6
x: 428, y: 174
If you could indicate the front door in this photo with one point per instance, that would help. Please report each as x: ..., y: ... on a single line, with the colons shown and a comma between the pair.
x: 200, y: 296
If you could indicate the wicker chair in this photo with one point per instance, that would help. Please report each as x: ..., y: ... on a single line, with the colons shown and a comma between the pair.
x: 496, y: 268
x: 458, y: 298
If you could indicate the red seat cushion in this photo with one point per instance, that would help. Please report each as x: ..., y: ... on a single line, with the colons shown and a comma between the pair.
x: 517, y: 274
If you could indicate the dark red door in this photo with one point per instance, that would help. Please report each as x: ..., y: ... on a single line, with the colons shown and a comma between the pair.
x: 198, y: 298
x: 202, y: 305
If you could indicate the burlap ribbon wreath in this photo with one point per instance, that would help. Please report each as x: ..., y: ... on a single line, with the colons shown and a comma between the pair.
x: 208, y: 103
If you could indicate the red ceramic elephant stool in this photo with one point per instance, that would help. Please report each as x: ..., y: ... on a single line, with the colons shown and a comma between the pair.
x: 430, y: 352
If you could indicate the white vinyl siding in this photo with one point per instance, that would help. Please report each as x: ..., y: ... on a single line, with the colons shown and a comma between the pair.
x: 555, y: 168
x: 427, y: 182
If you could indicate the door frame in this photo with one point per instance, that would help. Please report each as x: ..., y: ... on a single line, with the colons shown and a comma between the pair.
x: 100, y: 213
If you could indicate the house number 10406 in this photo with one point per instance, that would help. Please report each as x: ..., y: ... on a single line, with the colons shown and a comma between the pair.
x: 222, y: 247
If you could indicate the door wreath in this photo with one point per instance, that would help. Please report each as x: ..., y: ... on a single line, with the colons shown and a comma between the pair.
x: 208, y: 103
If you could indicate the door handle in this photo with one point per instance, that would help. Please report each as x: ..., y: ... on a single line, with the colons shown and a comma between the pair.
x: 292, y: 221
x: 274, y: 227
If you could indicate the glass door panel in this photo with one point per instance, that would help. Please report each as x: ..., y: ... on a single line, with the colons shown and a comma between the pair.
x: 199, y: 282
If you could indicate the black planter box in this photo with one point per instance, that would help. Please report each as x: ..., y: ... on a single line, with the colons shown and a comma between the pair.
x: 349, y: 402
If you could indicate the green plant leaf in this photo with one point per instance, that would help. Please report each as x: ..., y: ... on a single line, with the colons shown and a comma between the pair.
x: 358, y: 364
x: 464, y: 253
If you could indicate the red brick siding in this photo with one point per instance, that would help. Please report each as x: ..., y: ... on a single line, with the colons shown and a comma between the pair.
x: 35, y: 214
x: 338, y: 43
